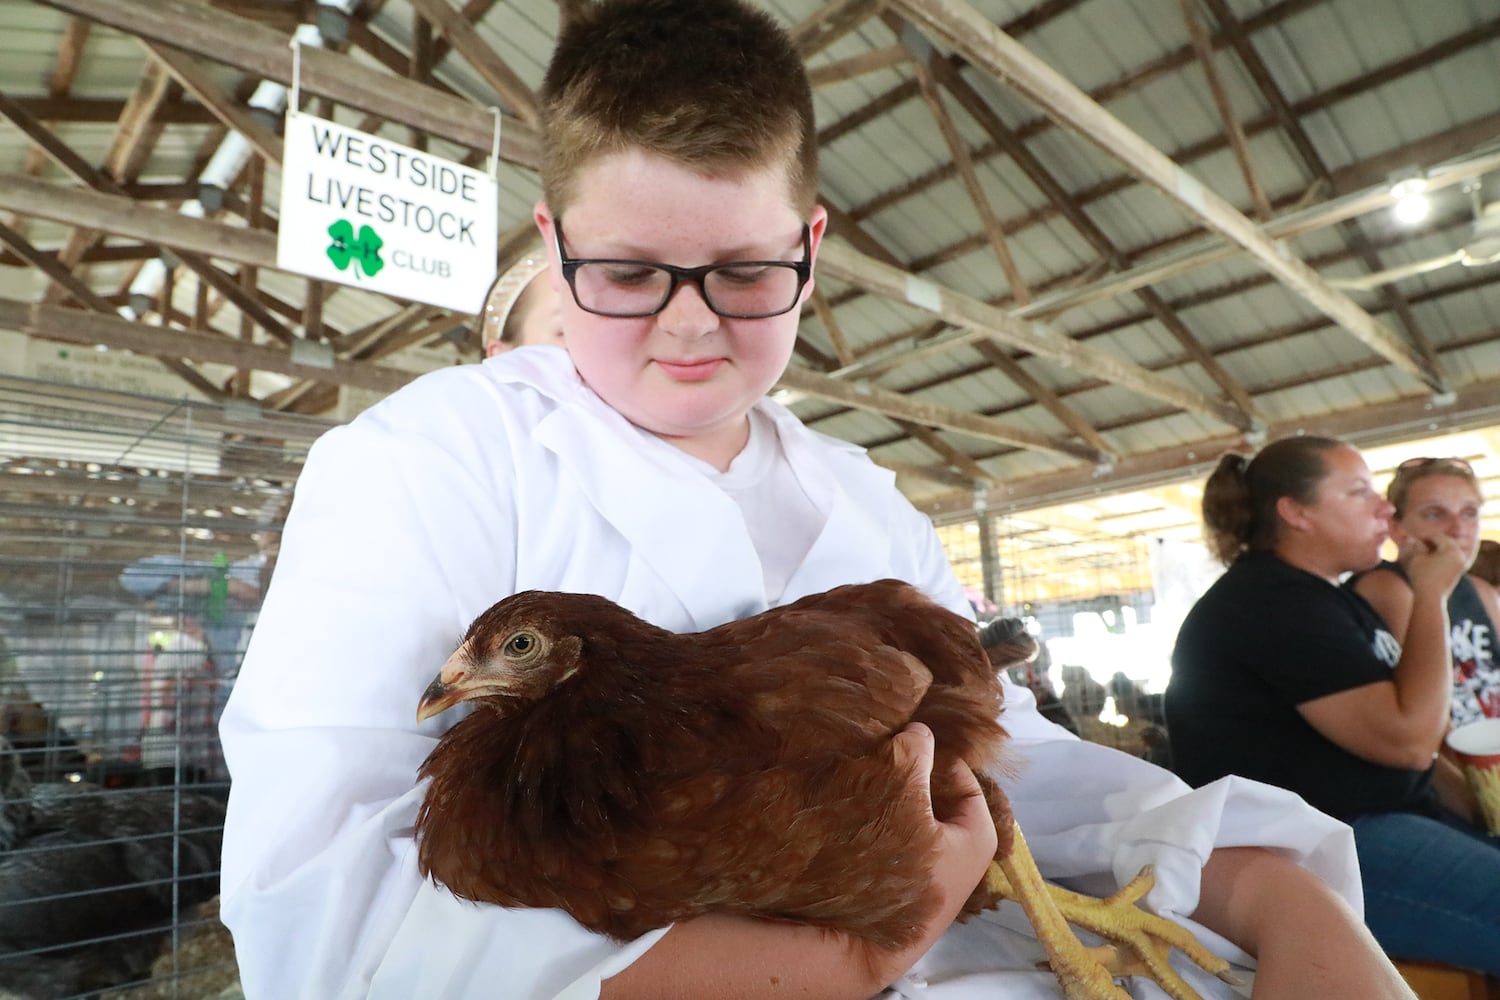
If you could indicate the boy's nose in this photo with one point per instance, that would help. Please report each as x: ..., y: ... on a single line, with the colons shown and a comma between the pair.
x: 686, y: 314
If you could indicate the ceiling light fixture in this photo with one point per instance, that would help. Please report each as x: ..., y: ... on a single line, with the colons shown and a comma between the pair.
x: 1410, y: 192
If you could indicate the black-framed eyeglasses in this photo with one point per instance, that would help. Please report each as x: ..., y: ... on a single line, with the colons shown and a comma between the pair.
x: 739, y: 289
x: 1412, y: 464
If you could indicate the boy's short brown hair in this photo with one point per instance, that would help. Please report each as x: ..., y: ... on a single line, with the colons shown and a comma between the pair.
x: 714, y: 85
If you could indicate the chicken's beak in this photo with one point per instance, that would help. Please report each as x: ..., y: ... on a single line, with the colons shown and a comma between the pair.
x: 447, y: 688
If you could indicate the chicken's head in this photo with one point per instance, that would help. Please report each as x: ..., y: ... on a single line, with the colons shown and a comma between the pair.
x: 519, y: 650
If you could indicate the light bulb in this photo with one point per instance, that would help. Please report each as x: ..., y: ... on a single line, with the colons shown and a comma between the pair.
x: 1412, y: 209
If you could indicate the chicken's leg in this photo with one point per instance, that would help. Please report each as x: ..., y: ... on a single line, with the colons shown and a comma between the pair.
x: 1089, y: 973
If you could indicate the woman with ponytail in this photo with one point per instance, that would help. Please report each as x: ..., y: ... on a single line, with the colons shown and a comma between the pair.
x: 1281, y: 676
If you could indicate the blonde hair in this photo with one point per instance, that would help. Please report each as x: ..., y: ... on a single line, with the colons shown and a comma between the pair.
x: 1415, y: 470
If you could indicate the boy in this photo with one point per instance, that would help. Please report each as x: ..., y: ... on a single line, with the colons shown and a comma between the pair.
x: 645, y: 464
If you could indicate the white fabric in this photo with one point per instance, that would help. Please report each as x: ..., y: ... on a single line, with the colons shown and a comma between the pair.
x: 478, y: 481
x: 782, y: 521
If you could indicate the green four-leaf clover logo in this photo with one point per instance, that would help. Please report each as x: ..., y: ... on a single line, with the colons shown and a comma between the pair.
x: 345, y: 248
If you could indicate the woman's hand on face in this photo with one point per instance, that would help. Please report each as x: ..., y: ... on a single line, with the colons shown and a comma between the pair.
x: 1433, y: 566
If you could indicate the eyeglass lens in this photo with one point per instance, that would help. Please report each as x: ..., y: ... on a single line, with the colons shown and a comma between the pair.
x: 640, y: 289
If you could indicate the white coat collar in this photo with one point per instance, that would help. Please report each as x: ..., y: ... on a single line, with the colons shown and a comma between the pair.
x: 716, y: 574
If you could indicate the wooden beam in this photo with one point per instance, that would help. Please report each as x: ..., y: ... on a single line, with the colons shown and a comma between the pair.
x: 1131, y: 81
x: 196, y: 80
x: 941, y: 475
x: 1198, y: 253
x: 966, y: 466
x: 977, y: 39
x: 975, y: 104
x: 135, y: 133
x: 79, y: 327
x: 1198, y: 35
x: 355, y: 341
x: 254, y: 48
x: 233, y: 289
x: 474, y: 11
x: 1043, y: 340
x: 419, y: 66
x: 839, y: 224
x: 87, y: 297
x: 829, y: 22
x: 110, y: 213
x: 1352, y: 233
x: 399, y: 338
x: 64, y: 71
x: 892, y: 404
x: 1475, y: 406
x: 478, y: 54
x: 116, y: 214
x: 134, y: 136
x: 96, y: 255
x: 312, y: 310
x: 958, y: 150
x: 106, y: 110
x: 49, y: 266
x: 69, y: 57
x: 831, y: 326
x: 1173, y: 324
x: 1043, y: 397
x: 854, y: 66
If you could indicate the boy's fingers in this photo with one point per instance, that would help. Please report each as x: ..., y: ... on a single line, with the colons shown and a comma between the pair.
x: 913, y: 747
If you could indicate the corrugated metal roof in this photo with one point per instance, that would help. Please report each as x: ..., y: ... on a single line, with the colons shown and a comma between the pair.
x: 1327, y: 110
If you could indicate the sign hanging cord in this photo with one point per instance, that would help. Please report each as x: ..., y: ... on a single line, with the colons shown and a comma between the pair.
x: 495, y: 146
x: 294, y: 104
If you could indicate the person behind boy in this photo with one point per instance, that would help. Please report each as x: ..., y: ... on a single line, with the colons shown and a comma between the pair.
x: 521, y: 308
x: 646, y: 464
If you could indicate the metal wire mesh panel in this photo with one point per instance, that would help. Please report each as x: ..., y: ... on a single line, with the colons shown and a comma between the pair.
x: 1088, y: 601
x: 136, y: 538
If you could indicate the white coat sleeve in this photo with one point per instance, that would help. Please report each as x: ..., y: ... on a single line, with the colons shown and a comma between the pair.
x: 389, y: 539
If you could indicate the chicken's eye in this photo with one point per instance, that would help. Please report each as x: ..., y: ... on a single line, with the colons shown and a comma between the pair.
x: 521, y: 644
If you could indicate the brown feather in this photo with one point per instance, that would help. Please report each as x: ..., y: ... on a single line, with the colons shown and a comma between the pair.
x: 638, y: 777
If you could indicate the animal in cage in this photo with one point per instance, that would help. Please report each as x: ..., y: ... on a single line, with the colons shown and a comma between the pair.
x: 37, y: 740
x: 635, y: 777
x: 92, y: 879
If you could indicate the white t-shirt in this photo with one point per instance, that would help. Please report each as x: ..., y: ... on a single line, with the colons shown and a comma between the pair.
x: 781, y: 520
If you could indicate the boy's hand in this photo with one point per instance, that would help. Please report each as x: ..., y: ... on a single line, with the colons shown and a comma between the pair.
x: 966, y: 846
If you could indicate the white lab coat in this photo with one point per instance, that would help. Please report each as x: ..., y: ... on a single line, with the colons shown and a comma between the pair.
x: 476, y: 482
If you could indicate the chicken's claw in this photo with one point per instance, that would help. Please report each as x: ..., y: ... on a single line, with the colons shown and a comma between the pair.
x: 1142, y: 941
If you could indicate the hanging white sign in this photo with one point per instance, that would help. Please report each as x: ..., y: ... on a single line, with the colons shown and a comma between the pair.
x: 364, y: 211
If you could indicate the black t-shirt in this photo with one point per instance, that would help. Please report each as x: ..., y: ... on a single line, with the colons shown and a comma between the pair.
x: 1265, y: 638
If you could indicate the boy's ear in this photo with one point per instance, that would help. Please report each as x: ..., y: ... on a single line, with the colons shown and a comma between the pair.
x: 817, y: 225
x: 542, y: 216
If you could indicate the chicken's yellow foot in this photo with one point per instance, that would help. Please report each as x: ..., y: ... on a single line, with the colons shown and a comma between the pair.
x: 1142, y: 941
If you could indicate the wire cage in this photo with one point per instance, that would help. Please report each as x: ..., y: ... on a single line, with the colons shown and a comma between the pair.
x: 1085, y: 598
x: 136, y: 538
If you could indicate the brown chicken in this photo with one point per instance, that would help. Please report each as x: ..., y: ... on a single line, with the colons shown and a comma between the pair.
x: 635, y: 777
